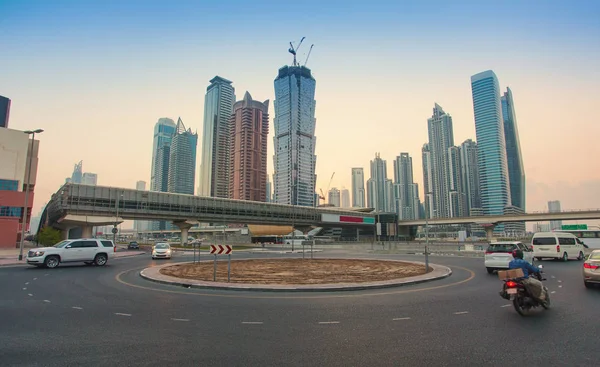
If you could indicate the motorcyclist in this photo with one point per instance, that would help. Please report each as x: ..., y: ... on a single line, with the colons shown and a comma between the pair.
x: 536, y: 287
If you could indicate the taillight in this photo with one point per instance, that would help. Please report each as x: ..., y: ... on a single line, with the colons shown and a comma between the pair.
x: 511, y: 284
x: 114, y: 248
x: 531, y: 247
x: 590, y: 266
x: 557, y: 248
x: 489, y: 252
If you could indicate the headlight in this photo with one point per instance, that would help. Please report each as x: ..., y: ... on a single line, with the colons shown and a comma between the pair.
x: 38, y: 253
x: 169, y: 252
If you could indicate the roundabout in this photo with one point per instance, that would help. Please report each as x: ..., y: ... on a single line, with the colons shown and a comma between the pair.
x: 291, y: 274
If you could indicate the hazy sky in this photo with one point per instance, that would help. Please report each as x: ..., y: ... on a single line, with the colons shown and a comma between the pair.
x: 97, y: 75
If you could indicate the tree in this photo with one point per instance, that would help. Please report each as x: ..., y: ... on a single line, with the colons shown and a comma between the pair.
x: 49, y: 236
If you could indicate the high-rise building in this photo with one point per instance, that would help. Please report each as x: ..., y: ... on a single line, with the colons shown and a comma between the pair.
x: 164, y: 129
x: 4, y: 111
x: 379, y: 189
x: 345, y: 194
x: 470, y: 175
x: 294, y: 140
x: 406, y: 191
x: 358, y: 187
x: 514, y: 158
x: 457, y: 199
x: 216, y: 138
x: 441, y: 138
x: 554, y: 207
x: 182, y: 161
x: 248, y: 167
x: 491, y: 146
x: 269, y: 190
x: 334, y: 197
x: 514, y: 229
x: 427, y: 181
x: 77, y: 174
x: 90, y: 179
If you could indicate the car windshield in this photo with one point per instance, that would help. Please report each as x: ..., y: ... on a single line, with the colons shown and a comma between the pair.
x: 501, y: 247
x: 61, y: 244
x: 161, y: 246
x: 544, y: 241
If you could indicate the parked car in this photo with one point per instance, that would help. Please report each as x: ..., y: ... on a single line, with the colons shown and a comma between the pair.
x: 87, y: 250
x: 133, y: 245
x: 499, y: 254
x: 161, y: 250
x: 557, y: 245
x: 591, y: 269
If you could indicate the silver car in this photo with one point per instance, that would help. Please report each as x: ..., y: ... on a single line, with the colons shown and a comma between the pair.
x: 161, y: 250
x: 591, y: 269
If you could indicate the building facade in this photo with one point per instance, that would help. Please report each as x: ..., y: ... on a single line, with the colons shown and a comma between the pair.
x: 470, y: 175
x: 345, y: 194
x: 514, y: 158
x: 554, y: 207
x: 380, y: 189
x: 427, y: 181
x: 249, y: 132
x: 406, y: 191
x: 216, y: 138
x: 358, y: 187
x: 294, y: 141
x: 491, y: 146
x: 182, y: 161
x: 4, y: 111
x: 457, y: 201
x: 17, y: 150
x: 269, y: 190
x: 334, y: 197
x: 164, y: 129
x: 89, y: 178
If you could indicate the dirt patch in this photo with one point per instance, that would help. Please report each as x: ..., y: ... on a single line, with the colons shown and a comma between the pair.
x: 298, y: 271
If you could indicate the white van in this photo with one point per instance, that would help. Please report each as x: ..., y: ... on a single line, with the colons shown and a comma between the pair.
x: 556, y: 245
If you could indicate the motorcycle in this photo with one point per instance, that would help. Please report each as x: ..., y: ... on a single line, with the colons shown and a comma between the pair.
x: 515, y: 291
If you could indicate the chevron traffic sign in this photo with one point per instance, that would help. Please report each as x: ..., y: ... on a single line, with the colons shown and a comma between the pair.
x: 221, y: 249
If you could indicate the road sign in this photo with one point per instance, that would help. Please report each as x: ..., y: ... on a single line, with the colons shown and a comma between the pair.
x: 221, y: 249
x: 573, y: 227
x: 115, y: 230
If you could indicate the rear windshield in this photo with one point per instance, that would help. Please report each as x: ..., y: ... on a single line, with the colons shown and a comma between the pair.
x: 496, y: 247
x: 595, y: 256
x: 544, y: 241
x: 107, y: 243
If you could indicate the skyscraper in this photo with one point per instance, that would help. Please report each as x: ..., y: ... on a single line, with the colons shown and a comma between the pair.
x: 182, y: 161
x: 514, y: 159
x: 427, y: 181
x: 470, y: 175
x: 164, y: 129
x: 4, y: 111
x: 269, y: 190
x: 248, y: 168
x: 441, y: 138
x: 216, y: 138
x: 334, y: 197
x: 90, y: 179
x: 358, y: 187
x: 379, y: 188
x: 456, y: 196
x: 554, y: 207
x: 489, y: 128
x: 345, y: 194
x: 406, y: 191
x: 294, y: 140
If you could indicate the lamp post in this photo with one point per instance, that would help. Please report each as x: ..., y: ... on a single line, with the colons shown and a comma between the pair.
x: 115, y: 230
x: 24, y: 223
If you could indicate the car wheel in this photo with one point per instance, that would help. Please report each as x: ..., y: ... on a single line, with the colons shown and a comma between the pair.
x: 587, y: 285
x: 581, y: 256
x: 565, y: 257
x: 100, y: 259
x: 52, y: 262
x: 490, y: 270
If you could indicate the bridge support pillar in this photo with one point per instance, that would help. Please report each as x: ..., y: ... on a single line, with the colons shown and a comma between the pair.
x: 185, y: 229
x: 64, y: 233
x: 489, y: 231
x: 86, y: 232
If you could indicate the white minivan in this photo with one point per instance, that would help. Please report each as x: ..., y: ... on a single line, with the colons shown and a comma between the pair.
x: 556, y: 245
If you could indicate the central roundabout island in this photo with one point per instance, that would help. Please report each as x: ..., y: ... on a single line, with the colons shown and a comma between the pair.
x: 286, y: 274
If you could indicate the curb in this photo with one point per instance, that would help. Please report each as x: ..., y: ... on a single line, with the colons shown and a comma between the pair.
x: 439, y: 272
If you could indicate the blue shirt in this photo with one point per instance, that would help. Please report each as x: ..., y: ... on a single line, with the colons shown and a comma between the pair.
x: 524, y: 265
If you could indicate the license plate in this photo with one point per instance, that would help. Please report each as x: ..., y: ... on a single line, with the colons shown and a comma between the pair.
x: 511, y: 291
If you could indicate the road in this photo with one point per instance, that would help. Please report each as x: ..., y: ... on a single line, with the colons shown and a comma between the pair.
x: 107, y: 316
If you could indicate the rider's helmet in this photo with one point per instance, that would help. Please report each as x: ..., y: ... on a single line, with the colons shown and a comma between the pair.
x: 518, y: 254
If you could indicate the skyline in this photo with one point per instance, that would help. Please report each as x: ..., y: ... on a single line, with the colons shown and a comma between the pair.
x: 55, y: 87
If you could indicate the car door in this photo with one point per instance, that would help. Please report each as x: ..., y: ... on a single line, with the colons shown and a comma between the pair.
x: 527, y: 253
x: 72, y: 252
x: 90, y: 249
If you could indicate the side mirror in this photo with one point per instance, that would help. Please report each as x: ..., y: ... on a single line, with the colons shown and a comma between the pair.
x: 68, y: 246
x: 540, y: 266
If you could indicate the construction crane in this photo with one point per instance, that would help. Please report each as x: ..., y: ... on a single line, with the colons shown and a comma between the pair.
x: 322, y: 196
x: 294, y: 50
x: 311, y: 46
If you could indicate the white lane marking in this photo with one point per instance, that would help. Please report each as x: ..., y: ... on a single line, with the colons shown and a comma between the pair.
x: 34, y: 278
x: 252, y: 322
x: 122, y: 314
x: 508, y: 305
x: 461, y: 312
x: 77, y: 308
x: 46, y: 301
x: 26, y: 283
x: 328, y: 322
x: 24, y: 289
x: 560, y: 286
x: 180, y: 319
x: 553, y: 277
x: 46, y: 275
x: 552, y: 292
x: 30, y: 295
x: 401, y: 318
x: 560, y: 281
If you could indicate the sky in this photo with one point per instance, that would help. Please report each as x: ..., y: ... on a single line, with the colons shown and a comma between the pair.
x: 97, y: 75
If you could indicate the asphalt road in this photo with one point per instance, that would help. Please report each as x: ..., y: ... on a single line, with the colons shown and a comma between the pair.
x: 108, y: 316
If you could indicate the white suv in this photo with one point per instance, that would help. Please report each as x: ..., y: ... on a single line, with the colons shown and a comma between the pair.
x: 87, y: 250
x: 499, y: 254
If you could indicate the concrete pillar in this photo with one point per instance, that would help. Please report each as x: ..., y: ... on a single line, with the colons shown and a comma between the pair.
x: 64, y: 233
x: 185, y: 229
x: 86, y: 231
x: 489, y: 231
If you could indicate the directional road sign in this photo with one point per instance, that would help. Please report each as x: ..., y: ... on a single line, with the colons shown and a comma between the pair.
x: 221, y: 249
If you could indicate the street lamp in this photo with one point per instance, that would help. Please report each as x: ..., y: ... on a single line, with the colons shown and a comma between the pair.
x: 115, y: 230
x: 24, y: 223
